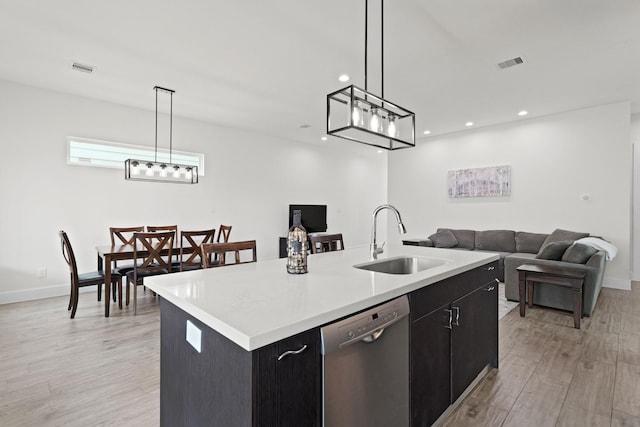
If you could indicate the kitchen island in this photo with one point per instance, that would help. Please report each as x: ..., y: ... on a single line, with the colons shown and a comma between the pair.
x: 223, y: 330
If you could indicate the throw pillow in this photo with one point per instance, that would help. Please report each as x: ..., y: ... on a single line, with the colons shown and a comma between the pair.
x: 554, y: 250
x: 444, y: 239
x: 466, y: 238
x: 579, y: 253
x: 529, y: 242
x: 559, y: 235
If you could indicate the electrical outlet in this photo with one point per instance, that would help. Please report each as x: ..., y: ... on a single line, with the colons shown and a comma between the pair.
x: 194, y: 336
x: 42, y: 273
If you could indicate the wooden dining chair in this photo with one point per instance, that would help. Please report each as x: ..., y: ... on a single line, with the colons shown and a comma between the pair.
x: 121, y: 236
x: 174, y: 228
x: 210, y: 250
x: 326, y: 243
x: 82, y: 279
x: 151, y: 248
x: 190, y: 255
x: 223, y: 233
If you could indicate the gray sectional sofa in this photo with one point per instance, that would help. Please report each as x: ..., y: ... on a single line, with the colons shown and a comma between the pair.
x: 517, y: 248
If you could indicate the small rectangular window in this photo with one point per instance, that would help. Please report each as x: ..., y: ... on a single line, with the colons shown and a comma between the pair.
x: 107, y: 154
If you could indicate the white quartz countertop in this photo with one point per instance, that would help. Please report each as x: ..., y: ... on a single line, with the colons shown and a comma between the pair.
x: 259, y: 303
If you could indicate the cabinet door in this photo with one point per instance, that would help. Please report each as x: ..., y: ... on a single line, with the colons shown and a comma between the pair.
x: 474, y: 337
x: 289, y: 382
x: 430, y: 386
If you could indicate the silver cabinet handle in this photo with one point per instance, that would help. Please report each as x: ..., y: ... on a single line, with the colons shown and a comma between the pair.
x: 457, y: 322
x: 490, y: 268
x: 449, y: 326
x: 292, y: 352
x: 490, y: 288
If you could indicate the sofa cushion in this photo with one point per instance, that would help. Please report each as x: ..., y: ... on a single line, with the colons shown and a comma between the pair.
x: 466, y: 238
x: 530, y: 243
x: 554, y: 250
x: 559, y: 235
x: 496, y: 240
x: 444, y: 239
x: 578, y: 253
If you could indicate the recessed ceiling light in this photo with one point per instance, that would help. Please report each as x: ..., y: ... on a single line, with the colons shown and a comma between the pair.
x: 427, y: 132
x: 344, y: 77
x: 324, y: 138
x: 380, y: 151
x: 523, y: 113
x: 469, y: 124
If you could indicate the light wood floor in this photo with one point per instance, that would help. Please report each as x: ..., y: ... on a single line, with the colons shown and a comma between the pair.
x: 95, y: 371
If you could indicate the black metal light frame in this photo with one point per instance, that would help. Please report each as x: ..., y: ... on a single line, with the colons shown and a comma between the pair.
x: 158, y: 171
x: 341, y: 106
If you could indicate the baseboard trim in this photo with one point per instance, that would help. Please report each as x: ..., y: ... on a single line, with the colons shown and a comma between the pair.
x: 9, y: 297
x: 617, y: 284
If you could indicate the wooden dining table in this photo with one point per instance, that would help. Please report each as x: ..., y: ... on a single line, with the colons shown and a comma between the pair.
x: 108, y: 254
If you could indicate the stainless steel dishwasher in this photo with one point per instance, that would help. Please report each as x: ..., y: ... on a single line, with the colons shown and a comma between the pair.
x: 365, y: 363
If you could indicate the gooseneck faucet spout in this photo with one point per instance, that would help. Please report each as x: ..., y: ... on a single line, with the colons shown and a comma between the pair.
x: 375, y: 250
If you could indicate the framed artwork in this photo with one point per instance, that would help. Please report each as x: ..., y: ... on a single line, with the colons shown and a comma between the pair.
x: 480, y: 182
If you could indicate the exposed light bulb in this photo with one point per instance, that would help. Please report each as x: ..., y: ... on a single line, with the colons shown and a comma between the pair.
x: 176, y: 171
x: 357, y: 114
x: 163, y: 170
x: 374, y: 122
x: 392, y: 131
x: 135, y: 170
x: 188, y: 174
x: 149, y: 169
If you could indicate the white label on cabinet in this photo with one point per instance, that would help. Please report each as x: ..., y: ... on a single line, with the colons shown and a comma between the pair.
x: 194, y: 336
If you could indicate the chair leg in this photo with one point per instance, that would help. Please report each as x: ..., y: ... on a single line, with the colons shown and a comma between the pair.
x: 120, y: 293
x: 128, y: 292
x: 100, y: 292
x: 70, y: 298
x: 113, y: 290
x: 135, y: 297
x: 74, y: 297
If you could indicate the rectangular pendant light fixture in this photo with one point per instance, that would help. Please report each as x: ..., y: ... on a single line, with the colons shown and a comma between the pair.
x: 158, y: 171
x: 358, y: 115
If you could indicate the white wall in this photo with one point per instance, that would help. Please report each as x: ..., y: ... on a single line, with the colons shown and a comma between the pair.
x: 250, y: 181
x: 554, y: 160
x: 635, y: 219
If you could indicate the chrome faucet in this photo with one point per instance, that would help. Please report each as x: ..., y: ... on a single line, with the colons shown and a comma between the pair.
x: 375, y: 250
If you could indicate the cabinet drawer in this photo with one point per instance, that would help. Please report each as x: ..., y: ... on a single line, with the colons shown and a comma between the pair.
x: 425, y: 300
x: 488, y: 273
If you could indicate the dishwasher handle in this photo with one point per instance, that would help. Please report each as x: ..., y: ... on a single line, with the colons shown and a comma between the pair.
x: 373, y: 336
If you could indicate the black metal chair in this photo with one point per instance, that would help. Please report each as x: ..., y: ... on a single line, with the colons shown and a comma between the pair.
x: 83, y: 279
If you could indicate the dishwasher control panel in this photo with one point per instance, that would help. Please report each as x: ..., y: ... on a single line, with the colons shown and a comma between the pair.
x: 362, y: 325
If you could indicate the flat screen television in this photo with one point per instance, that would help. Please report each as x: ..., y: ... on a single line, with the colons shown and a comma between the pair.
x: 314, y: 217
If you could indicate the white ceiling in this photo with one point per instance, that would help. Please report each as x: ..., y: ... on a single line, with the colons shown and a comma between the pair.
x: 268, y: 65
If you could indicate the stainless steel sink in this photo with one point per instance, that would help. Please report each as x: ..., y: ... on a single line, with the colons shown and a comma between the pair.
x: 401, y: 265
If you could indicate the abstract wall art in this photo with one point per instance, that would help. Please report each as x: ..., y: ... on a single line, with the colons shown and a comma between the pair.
x: 480, y: 182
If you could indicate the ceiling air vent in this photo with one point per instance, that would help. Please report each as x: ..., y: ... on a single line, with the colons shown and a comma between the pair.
x: 82, y: 67
x: 510, y: 62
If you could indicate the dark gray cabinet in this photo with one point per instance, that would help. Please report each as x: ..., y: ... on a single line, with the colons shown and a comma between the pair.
x: 225, y: 385
x: 454, y: 336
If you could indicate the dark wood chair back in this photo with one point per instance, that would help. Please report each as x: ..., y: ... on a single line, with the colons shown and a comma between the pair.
x: 326, y: 243
x: 68, y: 254
x: 123, y: 235
x: 209, y: 250
x: 192, y: 240
x: 153, y: 262
x: 156, y: 228
x: 223, y: 233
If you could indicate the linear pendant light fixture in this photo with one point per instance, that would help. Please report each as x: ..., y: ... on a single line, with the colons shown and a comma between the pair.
x: 159, y: 171
x: 359, y: 115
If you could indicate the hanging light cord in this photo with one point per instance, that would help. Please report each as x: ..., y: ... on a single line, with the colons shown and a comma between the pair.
x: 156, y: 151
x: 366, y: 44
x: 171, y: 129
x: 366, y: 34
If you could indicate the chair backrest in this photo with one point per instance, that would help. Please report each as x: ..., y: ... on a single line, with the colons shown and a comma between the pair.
x: 155, y: 243
x: 123, y: 235
x: 67, y: 253
x: 224, y: 231
x: 210, y: 249
x: 155, y: 228
x: 192, y: 240
x: 326, y: 243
